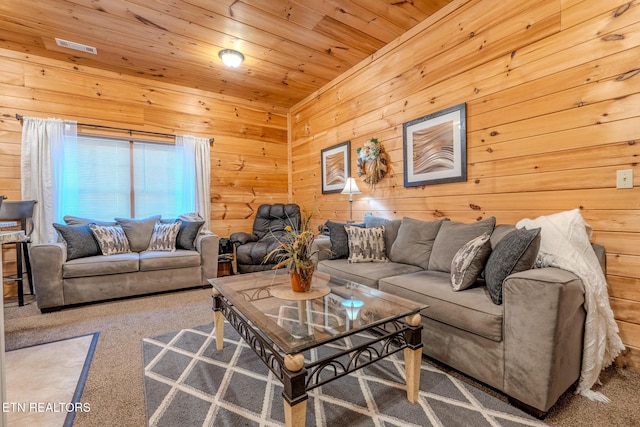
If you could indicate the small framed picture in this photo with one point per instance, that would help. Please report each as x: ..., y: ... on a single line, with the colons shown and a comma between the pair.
x: 335, y: 167
x: 435, y: 148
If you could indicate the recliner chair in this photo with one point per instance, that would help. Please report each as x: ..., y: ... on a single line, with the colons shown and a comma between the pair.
x: 268, y: 226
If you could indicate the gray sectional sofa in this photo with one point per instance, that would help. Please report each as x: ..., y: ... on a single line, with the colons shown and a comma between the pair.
x: 526, y: 342
x: 74, y: 270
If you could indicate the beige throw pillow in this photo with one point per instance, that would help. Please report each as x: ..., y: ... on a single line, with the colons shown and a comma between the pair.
x: 138, y: 231
x: 415, y: 242
x: 451, y: 237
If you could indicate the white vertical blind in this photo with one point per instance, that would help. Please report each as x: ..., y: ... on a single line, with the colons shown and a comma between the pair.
x: 103, y: 176
x: 95, y: 179
x: 159, y: 181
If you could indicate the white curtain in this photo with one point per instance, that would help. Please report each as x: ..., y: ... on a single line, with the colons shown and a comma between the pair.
x: 40, y: 165
x: 197, y: 174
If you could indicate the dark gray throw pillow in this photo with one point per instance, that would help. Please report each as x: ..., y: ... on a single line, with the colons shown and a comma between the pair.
x: 79, y: 240
x: 339, y: 239
x: 187, y: 235
x: 517, y: 251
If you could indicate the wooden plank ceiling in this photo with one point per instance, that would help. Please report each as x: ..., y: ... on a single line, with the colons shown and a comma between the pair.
x: 291, y: 47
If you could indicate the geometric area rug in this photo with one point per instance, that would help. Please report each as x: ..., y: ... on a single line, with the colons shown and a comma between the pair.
x: 187, y: 382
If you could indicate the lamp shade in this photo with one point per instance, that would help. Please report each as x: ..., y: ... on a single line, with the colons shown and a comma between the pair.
x: 231, y: 58
x: 351, y: 187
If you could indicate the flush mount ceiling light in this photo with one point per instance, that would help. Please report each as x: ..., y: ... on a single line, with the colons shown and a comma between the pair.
x: 231, y: 58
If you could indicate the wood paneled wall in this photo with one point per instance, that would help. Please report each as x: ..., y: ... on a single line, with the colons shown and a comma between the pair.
x: 248, y: 159
x: 552, y: 90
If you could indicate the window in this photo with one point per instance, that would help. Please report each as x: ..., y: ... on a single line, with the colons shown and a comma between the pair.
x: 104, y: 178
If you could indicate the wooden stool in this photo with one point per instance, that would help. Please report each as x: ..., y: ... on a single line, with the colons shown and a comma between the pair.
x: 20, y: 211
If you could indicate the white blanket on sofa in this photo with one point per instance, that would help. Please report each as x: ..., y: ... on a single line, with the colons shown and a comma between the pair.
x: 565, y: 243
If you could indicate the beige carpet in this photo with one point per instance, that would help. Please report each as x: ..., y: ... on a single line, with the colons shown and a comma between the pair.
x: 114, y: 385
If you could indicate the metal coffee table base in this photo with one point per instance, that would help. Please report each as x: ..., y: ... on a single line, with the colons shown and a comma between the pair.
x: 299, y: 377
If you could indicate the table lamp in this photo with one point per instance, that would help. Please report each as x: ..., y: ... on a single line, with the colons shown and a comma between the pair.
x: 351, y: 188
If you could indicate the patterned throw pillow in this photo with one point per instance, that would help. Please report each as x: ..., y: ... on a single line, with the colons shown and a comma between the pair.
x: 111, y: 239
x: 164, y: 236
x: 468, y: 262
x: 366, y: 244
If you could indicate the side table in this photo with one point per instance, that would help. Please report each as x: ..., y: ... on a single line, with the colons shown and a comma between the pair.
x: 225, y: 265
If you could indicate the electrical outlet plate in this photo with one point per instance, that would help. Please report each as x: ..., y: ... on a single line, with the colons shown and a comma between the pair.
x: 624, y: 178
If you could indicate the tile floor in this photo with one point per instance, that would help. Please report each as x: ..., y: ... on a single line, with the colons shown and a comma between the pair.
x: 42, y: 380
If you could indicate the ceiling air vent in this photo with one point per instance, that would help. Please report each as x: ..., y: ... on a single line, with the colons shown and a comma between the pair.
x: 76, y: 46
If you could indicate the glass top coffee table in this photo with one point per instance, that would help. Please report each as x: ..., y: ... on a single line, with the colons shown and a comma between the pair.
x: 280, y: 326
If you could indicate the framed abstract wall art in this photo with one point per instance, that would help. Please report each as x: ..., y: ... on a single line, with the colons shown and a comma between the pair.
x: 435, y: 148
x: 335, y: 167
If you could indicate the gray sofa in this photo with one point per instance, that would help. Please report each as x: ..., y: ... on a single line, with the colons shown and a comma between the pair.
x: 528, y: 347
x: 90, y: 276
